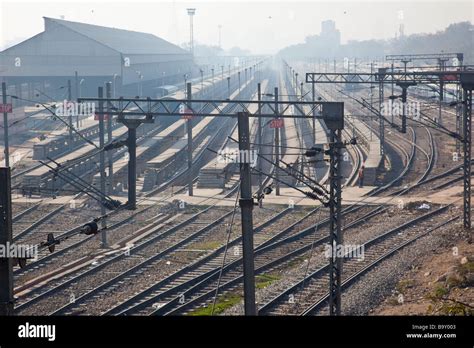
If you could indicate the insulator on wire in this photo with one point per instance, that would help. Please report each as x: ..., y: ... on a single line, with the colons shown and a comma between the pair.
x: 311, y: 195
x: 318, y: 191
x: 21, y: 262
x: 267, y: 190
x: 115, y: 145
x: 90, y: 228
x: 51, y: 242
x: 111, y: 204
x: 314, y: 196
x: 313, y: 151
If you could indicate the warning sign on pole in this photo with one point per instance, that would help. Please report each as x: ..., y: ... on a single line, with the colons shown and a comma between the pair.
x: 6, y: 108
x: 276, y: 123
x: 185, y: 112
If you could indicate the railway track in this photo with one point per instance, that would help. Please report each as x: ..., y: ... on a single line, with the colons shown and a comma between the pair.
x: 169, y: 230
x: 77, y: 241
x: 19, y: 215
x: 310, y: 294
x: 153, y: 295
x: 155, y: 258
x: 193, y: 285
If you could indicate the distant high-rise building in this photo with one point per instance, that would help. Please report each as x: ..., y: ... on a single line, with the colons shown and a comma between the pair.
x: 401, y: 30
x: 329, y: 34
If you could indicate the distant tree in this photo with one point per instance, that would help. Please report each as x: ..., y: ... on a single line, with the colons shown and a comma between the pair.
x: 237, y: 51
x: 458, y: 37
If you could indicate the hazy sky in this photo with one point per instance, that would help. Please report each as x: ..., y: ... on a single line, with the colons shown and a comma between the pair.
x: 260, y: 26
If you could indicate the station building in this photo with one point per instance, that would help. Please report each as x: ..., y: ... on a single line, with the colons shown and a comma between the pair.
x: 89, y: 56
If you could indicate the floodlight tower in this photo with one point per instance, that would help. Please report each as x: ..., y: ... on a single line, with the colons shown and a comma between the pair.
x: 191, y: 12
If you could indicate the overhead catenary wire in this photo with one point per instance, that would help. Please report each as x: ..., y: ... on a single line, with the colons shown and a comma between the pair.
x: 58, y: 118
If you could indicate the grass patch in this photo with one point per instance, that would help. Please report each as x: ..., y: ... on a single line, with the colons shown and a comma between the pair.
x: 264, y: 280
x: 226, y: 301
x: 393, y: 301
x: 403, y: 285
x: 295, y: 262
x: 206, y: 245
x: 466, y: 268
x: 455, y: 308
x: 438, y: 292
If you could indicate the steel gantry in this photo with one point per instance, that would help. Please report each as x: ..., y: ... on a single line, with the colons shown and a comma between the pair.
x: 464, y: 78
x: 441, y: 58
x: 134, y: 111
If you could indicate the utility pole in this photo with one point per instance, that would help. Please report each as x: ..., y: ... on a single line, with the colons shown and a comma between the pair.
x: 393, y: 86
x: 277, y: 146
x: 260, y: 176
x: 189, y: 127
x: 76, y: 84
x: 69, y: 98
x: 335, y: 231
x: 212, y: 91
x: 313, y: 97
x: 239, y: 81
x: 6, y: 263
x: 381, y: 75
x: 441, y: 62
x: 371, y: 86
x: 102, y: 164
x: 246, y: 207
x: 132, y: 163
x: 228, y: 87
x: 5, y: 125
x: 467, y: 85
x: 202, y: 79
x: 459, y: 106
x: 110, y: 153
x: 404, y: 85
x: 333, y: 116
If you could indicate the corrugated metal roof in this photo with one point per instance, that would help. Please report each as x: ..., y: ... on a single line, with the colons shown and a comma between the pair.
x: 123, y: 41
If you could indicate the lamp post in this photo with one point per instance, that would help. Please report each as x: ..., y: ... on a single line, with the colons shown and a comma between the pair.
x: 114, y: 77
x: 212, y: 70
x: 239, y: 80
x: 228, y: 86
x: 296, y: 84
x: 185, y: 84
x: 80, y: 87
x: 202, y: 78
x: 163, y: 78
